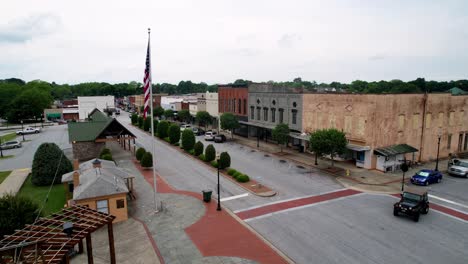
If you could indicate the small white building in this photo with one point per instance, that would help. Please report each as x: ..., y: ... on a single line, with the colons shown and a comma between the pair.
x: 212, y: 104
x: 86, y: 104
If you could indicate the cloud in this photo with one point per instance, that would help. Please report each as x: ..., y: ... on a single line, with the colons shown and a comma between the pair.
x: 376, y: 57
x: 28, y: 28
x: 287, y: 40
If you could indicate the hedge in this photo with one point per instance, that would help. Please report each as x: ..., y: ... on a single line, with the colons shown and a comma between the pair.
x: 104, y: 151
x: 198, y: 148
x: 214, y: 163
x: 147, y: 124
x: 147, y: 160
x: 174, y: 133
x: 188, y: 139
x: 243, y: 178
x: 224, y: 160
x: 162, y: 129
x: 231, y: 171
x: 107, y: 156
x: 210, y: 153
x: 139, y: 153
x: 201, y: 157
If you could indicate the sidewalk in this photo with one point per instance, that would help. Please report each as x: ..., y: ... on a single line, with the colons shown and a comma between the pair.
x: 12, y: 184
x: 359, y: 179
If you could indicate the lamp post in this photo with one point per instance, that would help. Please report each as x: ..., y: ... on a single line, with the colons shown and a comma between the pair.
x: 439, y: 135
x: 34, y: 121
x: 1, y: 149
x: 404, y: 168
x: 22, y: 130
x: 258, y: 137
x: 42, y: 120
x: 219, y: 193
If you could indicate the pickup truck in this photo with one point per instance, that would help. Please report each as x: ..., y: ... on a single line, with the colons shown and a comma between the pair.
x: 28, y: 130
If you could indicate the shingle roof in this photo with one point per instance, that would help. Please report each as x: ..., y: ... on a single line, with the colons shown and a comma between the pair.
x: 87, y: 165
x: 395, y: 150
x: 86, y: 131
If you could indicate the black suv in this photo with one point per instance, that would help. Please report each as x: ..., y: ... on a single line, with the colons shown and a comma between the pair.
x: 413, y: 202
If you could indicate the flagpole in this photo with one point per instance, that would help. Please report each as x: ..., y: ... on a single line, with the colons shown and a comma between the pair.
x: 152, y: 124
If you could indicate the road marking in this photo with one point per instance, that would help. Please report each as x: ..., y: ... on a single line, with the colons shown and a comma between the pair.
x: 286, y: 200
x: 448, y: 201
x: 234, y: 197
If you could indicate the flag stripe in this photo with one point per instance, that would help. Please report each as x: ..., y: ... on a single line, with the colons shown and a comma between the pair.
x: 147, y: 82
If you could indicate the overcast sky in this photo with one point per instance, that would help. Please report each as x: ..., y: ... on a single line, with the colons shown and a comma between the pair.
x: 218, y: 41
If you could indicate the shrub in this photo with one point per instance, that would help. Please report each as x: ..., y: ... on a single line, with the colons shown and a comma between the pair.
x: 243, y: 178
x: 134, y: 119
x: 162, y: 129
x: 224, y: 160
x: 45, y: 163
x: 231, y: 171
x: 147, y: 160
x: 214, y: 163
x: 104, y: 151
x: 140, y: 122
x: 174, y: 133
x: 147, y: 124
x: 192, y: 152
x: 236, y: 174
x: 188, y: 139
x: 16, y: 211
x: 198, y: 147
x: 155, y: 126
x: 167, y: 140
x: 210, y: 153
x: 106, y: 156
x: 201, y: 157
x: 139, y: 153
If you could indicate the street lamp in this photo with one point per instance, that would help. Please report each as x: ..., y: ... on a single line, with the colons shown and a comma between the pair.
x: 1, y: 149
x: 22, y: 130
x: 42, y: 120
x: 439, y: 135
x: 219, y: 193
x: 34, y: 121
x: 404, y: 168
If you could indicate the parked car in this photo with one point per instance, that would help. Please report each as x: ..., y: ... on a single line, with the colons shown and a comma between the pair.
x: 210, y: 135
x: 426, y: 177
x: 62, y: 122
x: 458, y: 167
x: 11, y: 144
x: 198, y: 131
x: 413, y: 202
x: 29, y: 130
x: 186, y: 126
x: 220, y: 138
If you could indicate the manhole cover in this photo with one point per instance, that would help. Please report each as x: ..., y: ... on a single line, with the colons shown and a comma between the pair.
x: 282, y: 161
x: 266, y: 155
x: 252, y: 150
x: 363, y: 177
x: 300, y: 167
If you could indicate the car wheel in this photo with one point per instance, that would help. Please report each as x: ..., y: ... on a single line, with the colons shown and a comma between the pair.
x: 426, y: 183
x: 439, y: 180
x: 395, y: 212
x: 426, y: 210
x: 36, y: 132
x: 416, y: 217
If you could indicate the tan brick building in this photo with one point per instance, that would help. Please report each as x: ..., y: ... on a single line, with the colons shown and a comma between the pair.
x: 375, y: 121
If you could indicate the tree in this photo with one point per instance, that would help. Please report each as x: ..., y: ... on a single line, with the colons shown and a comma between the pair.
x: 281, y: 134
x: 158, y: 111
x: 328, y: 141
x: 174, y: 133
x: 229, y: 122
x: 210, y: 153
x: 198, y: 148
x: 184, y: 115
x: 162, y: 129
x: 188, y: 139
x: 155, y: 126
x: 147, y: 160
x: 224, y: 160
x: 139, y: 153
x: 203, y: 118
x: 134, y: 119
x: 147, y: 124
x: 16, y: 212
x: 29, y: 103
x: 169, y: 114
x: 141, y: 122
x: 49, y: 164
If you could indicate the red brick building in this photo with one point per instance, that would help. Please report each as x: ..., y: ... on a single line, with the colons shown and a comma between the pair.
x: 233, y: 99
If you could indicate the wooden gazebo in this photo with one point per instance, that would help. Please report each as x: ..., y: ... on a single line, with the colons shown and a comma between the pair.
x: 52, y: 239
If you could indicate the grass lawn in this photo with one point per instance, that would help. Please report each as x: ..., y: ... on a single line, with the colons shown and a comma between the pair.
x: 38, y: 193
x: 6, y: 157
x: 3, y: 175
x: 8, y: 137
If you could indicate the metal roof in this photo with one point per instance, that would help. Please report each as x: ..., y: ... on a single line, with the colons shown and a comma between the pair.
x: 395, y: 150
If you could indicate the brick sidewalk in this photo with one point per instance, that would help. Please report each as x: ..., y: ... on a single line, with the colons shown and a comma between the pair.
x: 12, y: 184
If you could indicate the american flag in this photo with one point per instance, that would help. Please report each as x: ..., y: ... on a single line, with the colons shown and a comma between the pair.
x: 147, y: 82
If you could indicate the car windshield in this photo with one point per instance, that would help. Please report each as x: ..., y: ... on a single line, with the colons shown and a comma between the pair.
x: 461, y: 163
x: 411, y: 196
x: 423, y: 173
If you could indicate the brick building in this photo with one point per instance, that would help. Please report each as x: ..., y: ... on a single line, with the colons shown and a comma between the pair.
x: 234, y: 99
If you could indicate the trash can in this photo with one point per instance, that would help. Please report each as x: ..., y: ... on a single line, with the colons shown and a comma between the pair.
x: 207, y: 195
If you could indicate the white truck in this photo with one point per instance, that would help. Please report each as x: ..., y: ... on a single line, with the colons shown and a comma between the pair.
x: 28, y: 130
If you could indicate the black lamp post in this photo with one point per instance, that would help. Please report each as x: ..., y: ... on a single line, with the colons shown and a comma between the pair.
x: 219, y: 193
x: 404, y: 168
x: 34, y: 121
x: 1, y: 149
x: 22, y: 130
x: 42, y: 120
x: 258, y: 137
x: 439, y: 135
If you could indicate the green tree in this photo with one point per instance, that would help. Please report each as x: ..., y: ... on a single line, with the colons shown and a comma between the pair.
x: 174, y: 133
x: 29, y: 103
x: 162, y: 129
x: 147, y: 160
x: 16, y: 212
x: 147, y: 124
x: 281, y: 134
x: 328, y: 141
x: 134, y: 119
x: 210, y: 153
x: 184, y: 115
x: 229, y: 122
x: 158, y: 111
x: 49, y: 162
x: 224, y: 160
x: 198, y: 148
x: 169, y: 114
x: 188, y: 139
x: 8, y: 91
x: 139, y: 153
x: 203, y: 118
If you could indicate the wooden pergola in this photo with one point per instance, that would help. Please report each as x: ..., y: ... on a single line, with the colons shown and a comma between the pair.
x: 52, y: 239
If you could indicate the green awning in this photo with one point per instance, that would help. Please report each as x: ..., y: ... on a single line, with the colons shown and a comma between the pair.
x: 54, y: 115
x: 395, y: 150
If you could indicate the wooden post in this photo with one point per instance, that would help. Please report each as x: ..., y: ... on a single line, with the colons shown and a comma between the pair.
x: 89, y: 249
x: 80, y: 246
x: 124, y: 143
x: 110, y: 233
x: 66, y: 259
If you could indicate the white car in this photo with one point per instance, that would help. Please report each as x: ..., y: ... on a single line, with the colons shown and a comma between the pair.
x: 183, y: 127
x: 28, y: 130
x: 210, y: 135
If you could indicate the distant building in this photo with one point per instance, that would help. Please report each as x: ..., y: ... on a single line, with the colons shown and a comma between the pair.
x: 86, y: 104
x: 234, y: 99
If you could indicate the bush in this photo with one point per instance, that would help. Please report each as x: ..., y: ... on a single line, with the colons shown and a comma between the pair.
x: 188, y: 139
x: 104, y: 151
x: 214, y: 163
x: 224, y: 160
x: 141, y: 122
x: 162, y: 129
x: 155, y: 126
x: 236, y: 174
x: 192, y: 152
x: 139, y: 154
x: 147, y: 160
x: 167, y: 140
x: 198, y: 147
x: 201, y: 157
x: 134, y: 119
x: 147, y: 124
x: 45, y: 163
x: 15, y: 212
x: 210, y: 153
x: 106, y: 156
x: 174, y: 133
x: 243, y: 178
x: 231, y: 171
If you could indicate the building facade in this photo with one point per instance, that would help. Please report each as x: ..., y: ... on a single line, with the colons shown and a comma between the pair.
x: 86, y: 104
x: 212, y: 106
x: 233, y: 99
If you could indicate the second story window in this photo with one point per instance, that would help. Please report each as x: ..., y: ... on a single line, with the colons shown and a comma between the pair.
x: 245, y: 106
x: 233, y: 105
x: 281, y: 112
x: 265, y: 114
x: 258, y: 113
x: 273, y: 113
x: 252, y: 112
x: 239, y: 108
x: 294, y: 116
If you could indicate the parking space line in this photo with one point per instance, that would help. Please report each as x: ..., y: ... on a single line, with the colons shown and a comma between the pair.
x: 448, y: 201
x: 234, y: 197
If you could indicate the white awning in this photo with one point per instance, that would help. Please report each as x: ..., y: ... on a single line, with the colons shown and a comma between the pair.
x: 357, y: 147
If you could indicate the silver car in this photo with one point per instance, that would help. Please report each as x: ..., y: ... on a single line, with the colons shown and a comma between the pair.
x: 11, y: 144
x: 458, y: 167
